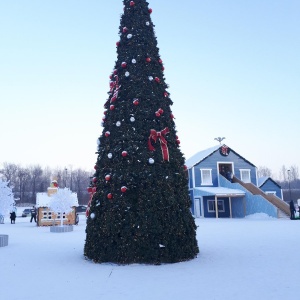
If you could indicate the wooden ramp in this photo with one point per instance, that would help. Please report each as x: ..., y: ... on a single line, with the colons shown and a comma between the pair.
x: 283, y: 207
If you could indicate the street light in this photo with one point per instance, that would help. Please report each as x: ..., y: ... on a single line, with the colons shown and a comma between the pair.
x: 289, y: 184
x: 219, y: 139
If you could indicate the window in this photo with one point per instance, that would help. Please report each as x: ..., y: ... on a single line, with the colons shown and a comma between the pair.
x: 245, y: 175
x: 212, y: 208
x: 206, y: 177
x: 270, y: 193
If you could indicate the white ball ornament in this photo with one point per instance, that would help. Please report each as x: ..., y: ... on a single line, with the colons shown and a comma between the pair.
x: 147, y: 23
x: 92, y: 216
x: 118, y: 123
x: 127, y: 74
x: 132, y: 119
x: 150, y: 78
x: 109, y: 155
x: 151, y: 161
x: 129, y: 36
x: 133, y: 61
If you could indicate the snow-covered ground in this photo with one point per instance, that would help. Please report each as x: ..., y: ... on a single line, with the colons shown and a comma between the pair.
x: 253, y: 258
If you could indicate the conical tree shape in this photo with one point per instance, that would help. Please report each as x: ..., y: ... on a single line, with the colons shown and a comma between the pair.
x: 140, y: 212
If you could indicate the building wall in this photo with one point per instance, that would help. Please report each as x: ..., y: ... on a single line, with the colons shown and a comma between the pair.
x: 270, y: 186
x: 46, y: 217
x: 212, y: 161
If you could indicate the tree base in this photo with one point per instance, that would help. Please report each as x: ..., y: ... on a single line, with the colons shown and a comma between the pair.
x: 65, y: 228
x: 3, y: 240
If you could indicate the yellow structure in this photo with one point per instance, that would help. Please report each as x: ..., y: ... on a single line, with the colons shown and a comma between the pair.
x: 46, y: 217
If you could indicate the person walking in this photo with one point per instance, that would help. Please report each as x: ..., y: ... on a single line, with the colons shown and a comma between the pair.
x: 13, y: 218
x: 292, y: 210
x: 33, y: 214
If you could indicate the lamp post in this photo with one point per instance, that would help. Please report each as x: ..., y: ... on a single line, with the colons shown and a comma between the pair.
x: 289, y: 184
x: 219, y: 139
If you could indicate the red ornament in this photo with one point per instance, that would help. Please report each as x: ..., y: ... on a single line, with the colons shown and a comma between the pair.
x: 110, y: 76
x: 94, y: 179
x: 124, y: 65
x: 109, y: 196
x: 124, y: 153
x: 95, y: 167
x: 118, y: 44
x: 148, y: 59
x: 161, y: 111
x: 178, y: 142
x: 166, y: 94
x: 136, y: 101
x: 107, y: 134
x: 123, y: 189
x: 160, y: 61
x: 157, y: 114
x: 163, y: 68
x: 157, y: 79
x: 90, y: 189
x: 113, y: 99
x: 132, y: 3
x: 125, y: 29
x: 115, y: 72
x: 112, y: 107
x: 185, y: 167
x: 172, y: 116
x: 150, y: 10
x: 107, y: 177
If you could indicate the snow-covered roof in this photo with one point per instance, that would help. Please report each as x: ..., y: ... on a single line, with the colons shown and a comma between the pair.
x: 196, y: 158
x: 43, y: 200
x: 218, y: 191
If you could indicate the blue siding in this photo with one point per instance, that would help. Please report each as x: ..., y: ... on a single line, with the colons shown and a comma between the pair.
x: 237, y: 207
x: 190, y: 178
x: 211, y: 162
x: 270, y: 186
x: 208, y: 214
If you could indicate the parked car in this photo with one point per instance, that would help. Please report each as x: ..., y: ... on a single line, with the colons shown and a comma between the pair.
x: 26, y: 212
x: 81, y: 209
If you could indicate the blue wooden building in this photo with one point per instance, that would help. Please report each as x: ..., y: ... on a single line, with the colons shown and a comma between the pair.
x: 223, y: 184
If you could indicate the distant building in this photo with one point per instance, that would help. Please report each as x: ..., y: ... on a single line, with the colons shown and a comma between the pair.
x: 223, y: 184
x: 45, y: 216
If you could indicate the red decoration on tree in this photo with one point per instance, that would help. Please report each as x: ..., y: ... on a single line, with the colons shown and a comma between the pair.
x: 125, y: 29
x: 123, y: 189
x: 132, y: 3
x: 112, y: 107
x: 157, y: 113
x: 150, y: 10
x: 109, y: 196
x: 107, y: 134
x: 148, y: 59
x: 160, y: 61
x: 118, y: 43
x: 166, y: 94
x: 185, y: 167
x: 161, y: 111
x: 115, y: 72
x: 163, y: 68
x: 107, y: 177
x: 178, y: 142
x: 136, y: 101
x: 95, y: 167
x: 172, y: 116
x: 110, y: 76
x: 124, y: 153
x: 124, y: 65
x: 157, y: 79
x: 160, y: 135
x: 94, y: 179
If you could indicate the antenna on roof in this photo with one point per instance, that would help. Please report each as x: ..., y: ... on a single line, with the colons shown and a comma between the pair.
x: 219, y: 139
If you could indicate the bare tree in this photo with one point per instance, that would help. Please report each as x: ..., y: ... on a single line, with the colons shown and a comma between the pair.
x: 9, y: 171
x: 263, y: 171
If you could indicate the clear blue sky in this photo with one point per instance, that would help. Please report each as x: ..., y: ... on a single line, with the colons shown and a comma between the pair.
x: 233, y: 67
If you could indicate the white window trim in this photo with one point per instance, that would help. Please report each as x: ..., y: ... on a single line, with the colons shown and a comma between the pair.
x: 248, y: 171
x: 219, y: 201
x: 270, y: 193
x: 210, y: 171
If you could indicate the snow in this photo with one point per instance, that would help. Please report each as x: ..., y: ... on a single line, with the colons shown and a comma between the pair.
x: 199, y: 156
x: 251, y: 258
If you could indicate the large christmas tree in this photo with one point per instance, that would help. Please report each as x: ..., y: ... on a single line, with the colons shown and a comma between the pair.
x: 140, y: 212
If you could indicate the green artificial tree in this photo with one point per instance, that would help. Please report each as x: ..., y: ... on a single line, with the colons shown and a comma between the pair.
x: 140, y: 212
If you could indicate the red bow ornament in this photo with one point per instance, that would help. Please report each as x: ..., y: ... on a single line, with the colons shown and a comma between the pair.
x: 159, y: 135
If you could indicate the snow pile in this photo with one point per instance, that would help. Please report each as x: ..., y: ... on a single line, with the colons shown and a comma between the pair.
x: 259, y: 216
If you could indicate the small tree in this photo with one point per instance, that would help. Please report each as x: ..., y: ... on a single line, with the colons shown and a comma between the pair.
x: 62, y: 202
x: 6, y: 199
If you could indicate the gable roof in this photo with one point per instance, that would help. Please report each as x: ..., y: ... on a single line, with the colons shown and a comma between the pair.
x: 262, y: 180
x: 202, y: 155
